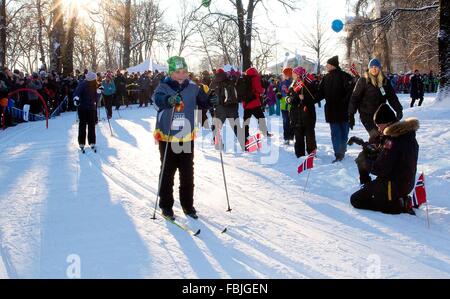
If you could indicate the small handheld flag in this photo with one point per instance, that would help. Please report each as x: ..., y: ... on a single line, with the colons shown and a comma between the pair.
x: 353, y: 70
x: 419, y: 194
x: 254, y: 143
x: 307, y: 164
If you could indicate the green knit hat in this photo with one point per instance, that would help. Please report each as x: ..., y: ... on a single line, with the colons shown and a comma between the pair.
x: 176, y: 63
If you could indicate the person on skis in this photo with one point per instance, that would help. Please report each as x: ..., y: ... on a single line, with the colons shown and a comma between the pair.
x: 85, y: 99
x: 177, y: 98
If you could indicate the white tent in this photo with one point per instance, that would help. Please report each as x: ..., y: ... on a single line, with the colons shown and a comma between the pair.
x: 147, y: 65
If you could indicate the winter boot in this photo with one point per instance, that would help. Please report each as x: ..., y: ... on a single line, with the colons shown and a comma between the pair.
x: 191, y: 212
x: 168, y: 213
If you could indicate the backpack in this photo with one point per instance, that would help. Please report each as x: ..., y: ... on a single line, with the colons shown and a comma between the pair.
x: 229, y: 93
x: 244, y: 89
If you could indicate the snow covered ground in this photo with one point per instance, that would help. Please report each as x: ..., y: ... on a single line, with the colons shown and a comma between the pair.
x: 64, y: 214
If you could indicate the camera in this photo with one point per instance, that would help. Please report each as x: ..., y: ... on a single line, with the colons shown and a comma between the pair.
x: 370, y: 149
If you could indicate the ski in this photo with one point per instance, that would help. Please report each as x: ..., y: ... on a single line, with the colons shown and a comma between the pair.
x: 182, y: 226
x: 215, y: 225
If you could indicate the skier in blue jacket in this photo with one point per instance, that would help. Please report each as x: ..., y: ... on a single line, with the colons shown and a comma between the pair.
x: 177, y: 99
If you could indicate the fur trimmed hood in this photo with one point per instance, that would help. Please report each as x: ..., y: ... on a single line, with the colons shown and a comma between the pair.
x: 403, y: 127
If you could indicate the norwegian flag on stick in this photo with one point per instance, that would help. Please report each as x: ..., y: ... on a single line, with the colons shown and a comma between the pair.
x: 254, y: 143
x: 308, y: 77
x: 353, y: 70
x: 307, y: 164
x: 419, y: 194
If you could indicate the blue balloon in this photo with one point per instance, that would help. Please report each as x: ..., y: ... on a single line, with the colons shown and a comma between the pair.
x: 337, y: 25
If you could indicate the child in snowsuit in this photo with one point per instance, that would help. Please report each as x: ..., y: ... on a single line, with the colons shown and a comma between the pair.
x: 177, y: 98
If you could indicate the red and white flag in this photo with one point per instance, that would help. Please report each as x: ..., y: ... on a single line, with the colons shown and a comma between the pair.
x: 254, y: 143
x: 308, y: 77
x: 307, y: 164
x: 353, y: 70
x: 419, y: 194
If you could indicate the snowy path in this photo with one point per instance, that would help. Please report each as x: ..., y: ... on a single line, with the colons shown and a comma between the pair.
x: 56, y: 202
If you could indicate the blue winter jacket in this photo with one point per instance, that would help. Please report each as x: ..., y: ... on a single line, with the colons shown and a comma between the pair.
x: 87, y: 92
x: 182, y: 118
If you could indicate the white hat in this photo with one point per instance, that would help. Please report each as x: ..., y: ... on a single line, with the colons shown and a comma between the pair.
x: 91, y: 76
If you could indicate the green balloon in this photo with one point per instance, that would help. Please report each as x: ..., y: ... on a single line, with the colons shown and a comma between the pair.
x: 206, y: 3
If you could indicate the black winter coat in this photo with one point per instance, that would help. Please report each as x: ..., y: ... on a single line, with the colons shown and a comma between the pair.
x: 366, y: 98
x: 303, y: 112
x: 397, y: 161
x: 416, y: 87
x: 336, y: 88
x: 120, y: 83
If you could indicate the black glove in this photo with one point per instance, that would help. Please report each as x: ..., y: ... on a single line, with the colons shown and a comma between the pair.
x: 399, y: 115
x: 351, y: 121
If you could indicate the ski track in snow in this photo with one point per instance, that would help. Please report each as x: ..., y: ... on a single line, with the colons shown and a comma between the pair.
x: 56, y: 202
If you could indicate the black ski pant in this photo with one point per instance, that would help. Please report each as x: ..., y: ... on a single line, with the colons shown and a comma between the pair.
x: 108, y: 100
x: 414, y: 100
x: 87, y: 119
x: 304, y: 134
x: 183, y: 162
x: 378, y: 195
x: 143, y: 97
x: 230, y: 112
x: 258, y: 113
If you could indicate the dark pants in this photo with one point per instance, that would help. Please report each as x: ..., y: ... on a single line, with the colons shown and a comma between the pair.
x: 87, y: 118
x: 108, y: 100
x: 258, y: 113
x: 143, y: 98
x: 414, y: 100
x: 231, y: 113
x: 288, y: 132
x: 364, y: 165
x: 184, y: 162
x: 339, y: 138
x: 377, y: 196
x: 121, y: 99
x: 302, y: 134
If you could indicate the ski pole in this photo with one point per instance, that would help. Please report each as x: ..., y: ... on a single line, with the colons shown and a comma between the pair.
x: 163, y: 164
x: 107, y: 116
x: 221, y: 162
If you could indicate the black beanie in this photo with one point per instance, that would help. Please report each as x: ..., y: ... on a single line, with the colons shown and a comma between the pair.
x: 334, y: 61
x: 384, y: 115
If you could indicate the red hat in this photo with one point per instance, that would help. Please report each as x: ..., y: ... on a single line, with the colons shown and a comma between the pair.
x: 287, y: 72
x: 220, y: 71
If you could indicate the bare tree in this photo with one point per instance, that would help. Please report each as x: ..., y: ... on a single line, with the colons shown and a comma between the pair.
x: 244, y: 20
x: 3, y: 33
x: 187, y: 24
x: 41, y: 25
x: 317, y: 39
x: 127, y: 35
x: 70, y: 42
x: 56, y: 36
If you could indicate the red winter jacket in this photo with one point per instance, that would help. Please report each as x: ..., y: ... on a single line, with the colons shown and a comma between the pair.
x: 257, y: 89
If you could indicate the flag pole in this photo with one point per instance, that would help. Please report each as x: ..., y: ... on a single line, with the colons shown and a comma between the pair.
x: 428, y: 218
x: 306, y: 184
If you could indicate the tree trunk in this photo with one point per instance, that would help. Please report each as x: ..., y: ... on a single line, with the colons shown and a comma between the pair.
x: 444, y: 47
x: 3, y: 33
x: 40, y: 41
x: 127, y: 35
x: 70, y: 44
x: 245, y: 31
x: 56, y: 36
